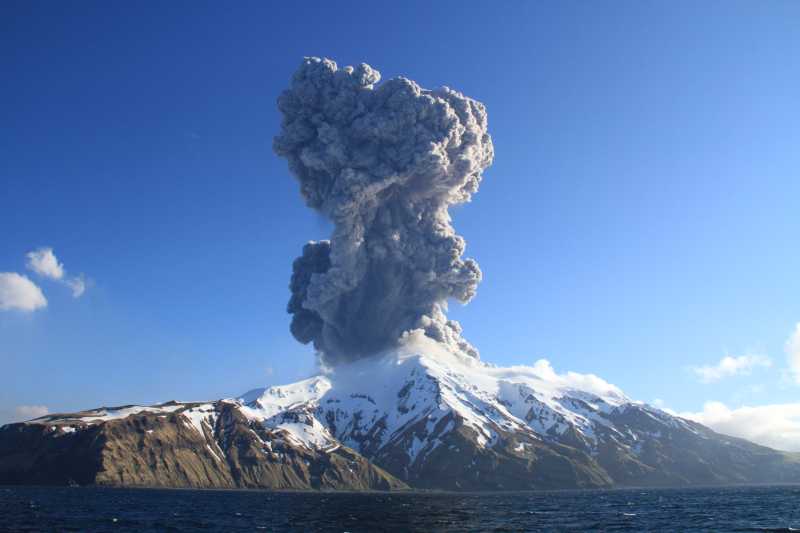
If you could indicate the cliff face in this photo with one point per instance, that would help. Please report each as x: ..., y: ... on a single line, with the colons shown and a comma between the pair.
x: 176, y: 445
x: 422, y: 419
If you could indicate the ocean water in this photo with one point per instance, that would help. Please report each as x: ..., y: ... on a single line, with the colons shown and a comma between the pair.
x: 702, y: 509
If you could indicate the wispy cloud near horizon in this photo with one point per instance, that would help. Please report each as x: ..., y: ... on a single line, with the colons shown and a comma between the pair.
x: 775, y: 425
x: 22, y: 413
x: 730, y: 366
x: 793, y: 354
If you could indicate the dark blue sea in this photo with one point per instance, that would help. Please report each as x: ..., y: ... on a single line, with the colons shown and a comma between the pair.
x: 92, y: 509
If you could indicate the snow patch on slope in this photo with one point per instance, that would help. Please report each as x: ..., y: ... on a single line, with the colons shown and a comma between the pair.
x: 109, y: 413
x: 200, y: 415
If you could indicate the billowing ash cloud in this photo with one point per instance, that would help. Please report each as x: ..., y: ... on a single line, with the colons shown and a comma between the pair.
x: 383, y: 163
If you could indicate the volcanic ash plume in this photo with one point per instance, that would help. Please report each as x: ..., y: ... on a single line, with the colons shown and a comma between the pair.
x: 383, y: 163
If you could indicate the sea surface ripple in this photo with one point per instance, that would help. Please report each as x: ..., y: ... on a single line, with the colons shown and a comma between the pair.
x: 775, y: 508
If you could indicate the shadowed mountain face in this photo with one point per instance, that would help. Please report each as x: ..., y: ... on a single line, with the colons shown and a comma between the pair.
x: 404, y: 419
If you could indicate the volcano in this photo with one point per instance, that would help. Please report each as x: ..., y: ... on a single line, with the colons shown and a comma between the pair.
x: 418, y: 416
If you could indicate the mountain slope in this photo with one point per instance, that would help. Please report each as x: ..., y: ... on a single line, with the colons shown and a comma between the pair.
x: 175, y: 445
x: 418, y: 416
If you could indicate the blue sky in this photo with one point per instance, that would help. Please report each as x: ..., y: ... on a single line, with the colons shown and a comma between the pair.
x: 640, y: 218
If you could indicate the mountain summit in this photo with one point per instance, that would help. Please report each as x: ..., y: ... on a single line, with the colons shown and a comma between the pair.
x: 417, y: 416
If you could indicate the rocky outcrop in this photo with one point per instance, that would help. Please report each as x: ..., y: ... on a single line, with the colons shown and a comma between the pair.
x: 176, y: 445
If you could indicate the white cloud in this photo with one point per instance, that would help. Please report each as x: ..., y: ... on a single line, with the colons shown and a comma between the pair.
x: 730, y: 366
x: 776, y: 426
x: 45, y: 263
x: 28, y: 412
x: 78, y: 286
x: 793, y: 353
x: 19, y: 293
x: 588, y: 382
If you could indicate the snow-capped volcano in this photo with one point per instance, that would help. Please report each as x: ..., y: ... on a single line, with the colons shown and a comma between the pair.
x: 371, y: 404
x: 421, y: 415
x: 436, y: 418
